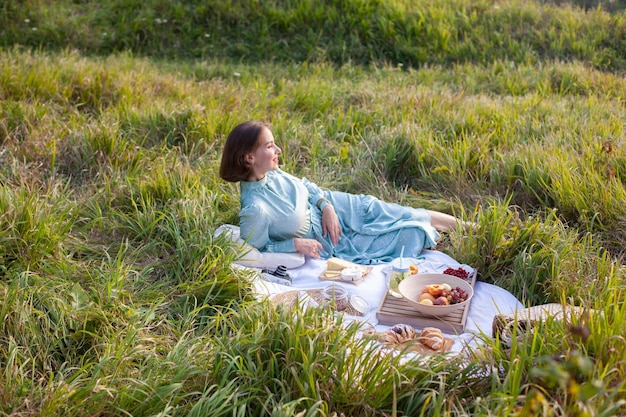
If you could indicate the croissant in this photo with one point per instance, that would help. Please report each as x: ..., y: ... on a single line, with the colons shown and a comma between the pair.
x: 433, y: 338
x: 400, y: 333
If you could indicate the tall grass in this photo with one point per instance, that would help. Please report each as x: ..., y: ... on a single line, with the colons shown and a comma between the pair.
x: 116, y: 298
x: 411, y: 33
x: 34, y: 224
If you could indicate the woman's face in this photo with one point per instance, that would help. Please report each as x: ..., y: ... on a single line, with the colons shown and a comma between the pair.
x: 265, y: 157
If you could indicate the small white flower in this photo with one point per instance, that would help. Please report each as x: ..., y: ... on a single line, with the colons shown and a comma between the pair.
x: 236, y: 74
x: 26, y: 20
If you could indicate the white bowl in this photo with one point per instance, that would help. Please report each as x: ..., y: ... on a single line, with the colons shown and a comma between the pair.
x: 412, y: 286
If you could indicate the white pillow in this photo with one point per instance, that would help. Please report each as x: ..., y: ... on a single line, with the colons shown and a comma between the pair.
x: 252, y: 257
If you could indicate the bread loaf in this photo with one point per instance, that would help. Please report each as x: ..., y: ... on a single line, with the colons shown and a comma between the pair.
x: 433, y: 338
x: 400, y: 333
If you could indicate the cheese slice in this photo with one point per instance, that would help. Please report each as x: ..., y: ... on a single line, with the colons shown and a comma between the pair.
x: 332, y: 274
x: 336, y: 264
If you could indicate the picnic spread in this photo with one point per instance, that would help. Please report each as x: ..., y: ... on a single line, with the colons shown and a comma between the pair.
x: 362, y: 293
x: 366, y: 299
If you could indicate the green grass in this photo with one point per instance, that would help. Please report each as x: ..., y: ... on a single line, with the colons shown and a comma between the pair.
x: 116, y: 299
x: 400, y: 32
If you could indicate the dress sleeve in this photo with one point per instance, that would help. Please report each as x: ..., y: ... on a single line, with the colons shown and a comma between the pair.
x: 254, y: 228
x: 316, y: 194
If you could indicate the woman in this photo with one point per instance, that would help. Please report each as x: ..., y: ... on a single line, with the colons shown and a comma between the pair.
x: 282, y: 213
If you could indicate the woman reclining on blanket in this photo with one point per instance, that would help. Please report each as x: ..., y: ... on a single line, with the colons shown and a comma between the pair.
x: 282, y: 213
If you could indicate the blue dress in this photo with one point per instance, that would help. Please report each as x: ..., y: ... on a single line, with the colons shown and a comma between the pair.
x: 281, y: 207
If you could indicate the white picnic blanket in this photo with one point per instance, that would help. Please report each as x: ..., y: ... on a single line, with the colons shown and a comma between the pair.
x: 488, y: 301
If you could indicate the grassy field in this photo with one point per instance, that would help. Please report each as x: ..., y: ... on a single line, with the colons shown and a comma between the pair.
x: 116, y: 299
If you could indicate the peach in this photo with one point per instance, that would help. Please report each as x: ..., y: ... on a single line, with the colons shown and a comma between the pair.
x: 435, y: 289
x: 427, y: 296
x: 441, y: 301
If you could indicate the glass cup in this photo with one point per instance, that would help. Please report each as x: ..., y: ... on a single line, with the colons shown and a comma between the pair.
x: 336, y: 296
x: 399, y: 270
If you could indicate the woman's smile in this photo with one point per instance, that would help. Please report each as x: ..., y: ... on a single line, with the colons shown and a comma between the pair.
x: 266, y: 156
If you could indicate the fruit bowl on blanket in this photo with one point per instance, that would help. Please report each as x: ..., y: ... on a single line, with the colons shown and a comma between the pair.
x: 413, y: 287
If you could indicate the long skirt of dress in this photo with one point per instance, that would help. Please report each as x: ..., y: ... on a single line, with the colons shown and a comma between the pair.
x: 375, y: 231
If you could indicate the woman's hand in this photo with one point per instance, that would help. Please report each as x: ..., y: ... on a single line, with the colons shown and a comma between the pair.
x: 330, y: 224
x: 309, y: 247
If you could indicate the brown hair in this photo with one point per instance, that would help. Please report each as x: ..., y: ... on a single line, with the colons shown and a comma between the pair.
x: 242, y: 140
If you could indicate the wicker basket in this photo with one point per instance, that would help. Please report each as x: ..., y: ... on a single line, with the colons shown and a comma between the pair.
x: 504, y: 324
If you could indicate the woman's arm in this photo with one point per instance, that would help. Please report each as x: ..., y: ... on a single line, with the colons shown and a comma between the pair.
x: 316, y: 195
x: 330, y: 221
x: 254, y: 227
